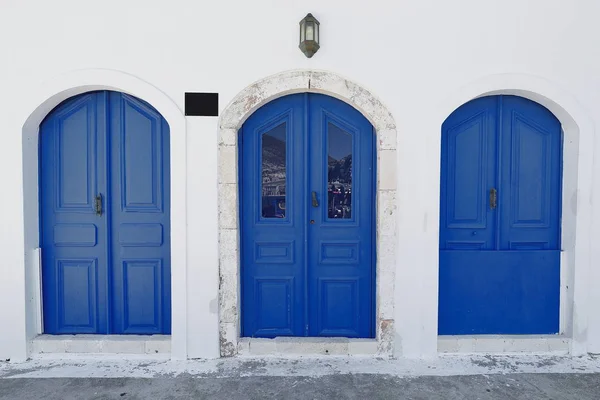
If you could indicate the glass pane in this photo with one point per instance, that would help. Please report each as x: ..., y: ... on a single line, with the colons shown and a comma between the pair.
x: 339, y: 190
x: 274, y: 172
x: 310, y: 31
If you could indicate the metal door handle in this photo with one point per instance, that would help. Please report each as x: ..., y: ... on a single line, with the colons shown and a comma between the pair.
x: 98, y: 204
x: 493, y: 198
x: 315, y: 202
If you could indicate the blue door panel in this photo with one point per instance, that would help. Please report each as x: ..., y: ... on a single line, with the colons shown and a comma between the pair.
x: 92, y: 281
x: 73, y: 238
x: 272, y: 216
x: 340, y: 241
x: 531, y: 176
x: 500, y: 258
x: 468, y: 174
x: 499, y: 292
x: 140, y: 205
x: 306, y: 241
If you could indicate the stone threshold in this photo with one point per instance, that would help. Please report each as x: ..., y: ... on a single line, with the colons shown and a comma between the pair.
x: 556, y: 344
x: 101, y: 344
x: 287, y: 346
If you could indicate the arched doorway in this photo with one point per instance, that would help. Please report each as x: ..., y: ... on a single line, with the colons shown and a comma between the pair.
x: 500, y: 213
x: 105, y: 216
x: 307, y: 212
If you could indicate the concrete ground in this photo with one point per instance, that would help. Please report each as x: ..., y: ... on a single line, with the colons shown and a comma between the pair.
x: 448, y: 378
x: 362, y: 386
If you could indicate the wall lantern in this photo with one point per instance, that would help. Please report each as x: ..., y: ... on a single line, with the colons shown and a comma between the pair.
x: 309, y: 35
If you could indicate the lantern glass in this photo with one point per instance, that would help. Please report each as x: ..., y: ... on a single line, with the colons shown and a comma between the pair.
x: 310, y: 30
x: 317, y: 32
x: 302, y: 28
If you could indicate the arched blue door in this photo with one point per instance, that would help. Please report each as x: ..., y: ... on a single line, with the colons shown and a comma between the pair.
x: 104, y: 198
x: 500, y: 219
x: 307, y: 212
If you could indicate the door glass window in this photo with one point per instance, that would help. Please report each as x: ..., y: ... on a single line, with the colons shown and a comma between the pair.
x: 339, y: 181
x: 274, y: 172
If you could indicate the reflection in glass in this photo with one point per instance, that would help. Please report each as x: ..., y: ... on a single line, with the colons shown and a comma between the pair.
x: 273, y: 172
x: 339, y: 190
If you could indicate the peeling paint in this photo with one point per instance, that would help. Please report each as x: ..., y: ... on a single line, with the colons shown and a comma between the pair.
x: 386, y: 343
x: 450, y: 365
x: 227, y: 348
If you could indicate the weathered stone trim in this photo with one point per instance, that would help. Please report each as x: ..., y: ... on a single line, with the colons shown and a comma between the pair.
x: 232, y: 118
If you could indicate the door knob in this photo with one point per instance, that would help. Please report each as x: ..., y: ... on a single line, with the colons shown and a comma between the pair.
x: 315, y: 202
x: 98, y: 204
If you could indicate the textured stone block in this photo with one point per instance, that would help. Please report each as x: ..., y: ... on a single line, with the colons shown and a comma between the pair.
x: 262, y: 347
x: 387, y: 139
x: 158, y: 346
x: 362, y: 347
x: 387, y: 212
x: 123, y: 346
x: 228, y: 137
x: 228, y: 336
x: 228, y: 203
x: 84, y: 345
x: 386, y: 170
x: 228, y: 166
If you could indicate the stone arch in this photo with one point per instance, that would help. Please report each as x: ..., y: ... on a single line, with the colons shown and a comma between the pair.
x: 231, y: 120
x: 43, y: 99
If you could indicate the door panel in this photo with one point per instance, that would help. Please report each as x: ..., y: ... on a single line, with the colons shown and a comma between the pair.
x: 107, y: 273
x: 139, y: 210
x: 272, y: 180
x: 340, y: 241
x: 468, y: 176
x: 508, y: 283
x: 499, y: 292
x: 531, y: 172
x: 306, y: 234
x: 73, y: 237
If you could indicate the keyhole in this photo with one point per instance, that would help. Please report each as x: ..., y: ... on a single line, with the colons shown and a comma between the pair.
x: 474, y: 233
x: 312, y: 221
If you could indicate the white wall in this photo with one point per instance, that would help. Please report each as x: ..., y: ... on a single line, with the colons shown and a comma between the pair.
x: 420, y: 57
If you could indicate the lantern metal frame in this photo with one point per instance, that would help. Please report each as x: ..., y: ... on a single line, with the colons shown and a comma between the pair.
x: 309, y: 35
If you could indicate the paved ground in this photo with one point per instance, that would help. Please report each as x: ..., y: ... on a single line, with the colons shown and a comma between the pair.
x: 520, y: 386
x: 445, y: 378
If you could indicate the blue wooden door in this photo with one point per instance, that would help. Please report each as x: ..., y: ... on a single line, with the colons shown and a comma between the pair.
x: 500, y: 219
x: 307, y: 214
x: 104, y: 197
x: 74, y: 240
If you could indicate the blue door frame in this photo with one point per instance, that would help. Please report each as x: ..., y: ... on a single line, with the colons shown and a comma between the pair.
x: 307, y: 173
x: 500, y: 206
x: 105, y: 217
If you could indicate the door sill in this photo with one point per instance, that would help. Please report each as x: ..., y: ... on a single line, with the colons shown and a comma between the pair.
x: 154, y: 345
x: 313, y: 346
x: 503, y: 344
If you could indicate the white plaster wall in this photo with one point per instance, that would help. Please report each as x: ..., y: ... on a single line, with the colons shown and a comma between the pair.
x: 203, y: 258
x: 421, y: 58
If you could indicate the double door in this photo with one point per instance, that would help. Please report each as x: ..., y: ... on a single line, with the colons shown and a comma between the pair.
x: 500, y: 218
x: 307, y: 213
x: 104, y: 199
